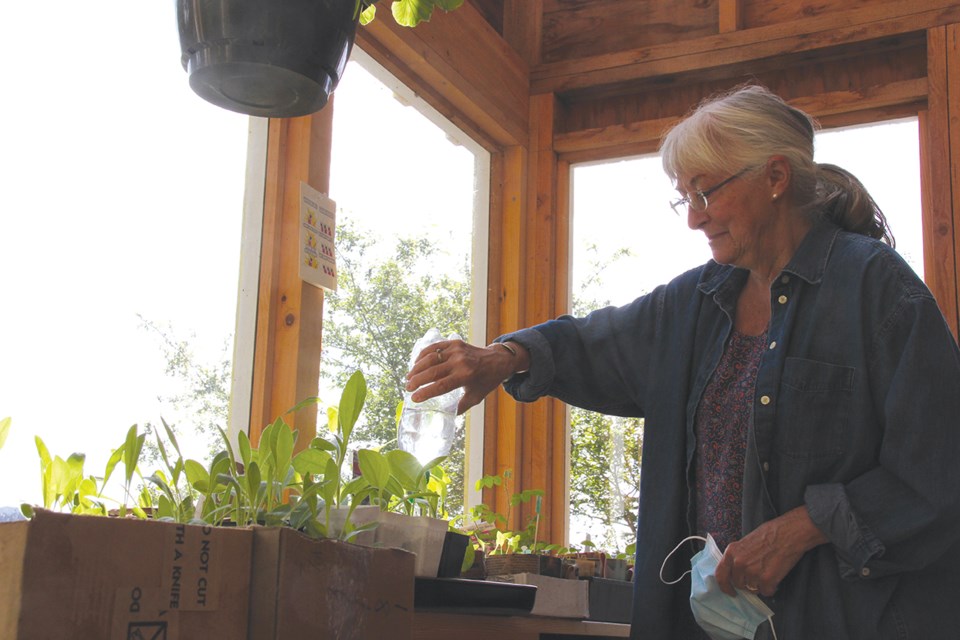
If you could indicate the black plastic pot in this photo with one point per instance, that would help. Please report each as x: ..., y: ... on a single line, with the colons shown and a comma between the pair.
x: 270, y: 58
x: 454, y: 551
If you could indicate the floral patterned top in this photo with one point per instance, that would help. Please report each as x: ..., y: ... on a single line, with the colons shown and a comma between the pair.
x: 722, y: 423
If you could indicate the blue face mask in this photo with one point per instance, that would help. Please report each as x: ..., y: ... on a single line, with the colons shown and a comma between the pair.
x: 723, y: 617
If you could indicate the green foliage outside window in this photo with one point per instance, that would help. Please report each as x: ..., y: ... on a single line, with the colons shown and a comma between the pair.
x: 605, y: 451
x: 383, y: 306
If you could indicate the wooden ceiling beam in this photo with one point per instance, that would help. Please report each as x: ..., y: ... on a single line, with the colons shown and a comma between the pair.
x: 731, y: 15
x: 523, y: 28
x: 586, y: 75
x: 636, y: 138
x: 462, y: 67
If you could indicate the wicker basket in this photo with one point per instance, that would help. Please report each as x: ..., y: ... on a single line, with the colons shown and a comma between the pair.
x: 501, y: 565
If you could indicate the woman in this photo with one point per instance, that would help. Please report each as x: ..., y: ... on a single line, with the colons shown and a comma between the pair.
x: 801, y: 393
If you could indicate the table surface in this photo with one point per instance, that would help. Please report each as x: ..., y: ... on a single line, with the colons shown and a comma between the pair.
x: 431, y: 625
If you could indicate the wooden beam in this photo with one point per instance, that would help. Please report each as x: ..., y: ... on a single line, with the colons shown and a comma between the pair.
x: 289, y: 312
x: 559, y: 430
x: 837, y: 102
x: 529, y: 264
x: 523, y: 28
x: 544, y: 424
x: 506, y: 291
x: 953, y: 114
x: 597, y: 141
x: 462, y: 67
x: 731, y: 15
x: 635, y: 138
x: 854, y: 25
x: 939, y: 156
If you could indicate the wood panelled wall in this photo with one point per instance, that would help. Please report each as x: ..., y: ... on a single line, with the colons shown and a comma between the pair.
x: 545, y: 83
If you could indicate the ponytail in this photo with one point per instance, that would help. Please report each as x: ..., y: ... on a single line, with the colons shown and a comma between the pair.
x: 842, y: 199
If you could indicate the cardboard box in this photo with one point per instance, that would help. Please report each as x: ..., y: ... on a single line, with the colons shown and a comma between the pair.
x: 556, y: 597
x: 306, y: 588
x: 117, y: 579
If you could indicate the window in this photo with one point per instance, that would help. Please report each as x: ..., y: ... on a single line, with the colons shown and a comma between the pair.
x: 886, y: 158
x: 120, y: 228
x: 411, y: 199
x: 627, y: 241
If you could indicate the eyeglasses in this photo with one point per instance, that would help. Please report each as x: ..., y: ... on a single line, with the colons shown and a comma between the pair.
x: 698, y: 199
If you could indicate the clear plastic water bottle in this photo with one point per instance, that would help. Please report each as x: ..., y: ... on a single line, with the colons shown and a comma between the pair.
x: 427, y: 428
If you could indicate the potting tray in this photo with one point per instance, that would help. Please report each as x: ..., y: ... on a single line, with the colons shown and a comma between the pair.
x: 456, y: 595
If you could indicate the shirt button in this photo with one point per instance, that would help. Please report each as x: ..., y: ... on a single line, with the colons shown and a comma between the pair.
x: 782, y: 299
x: 773, y: 345
x: 865, y: 572
x: 766, y: 466
x: 764, y: 400
x: 785, y: 279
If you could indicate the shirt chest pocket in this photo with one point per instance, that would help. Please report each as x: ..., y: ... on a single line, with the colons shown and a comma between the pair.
x: 815, y: 401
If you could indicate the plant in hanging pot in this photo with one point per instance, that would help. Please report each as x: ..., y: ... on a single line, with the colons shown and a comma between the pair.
x: 410, y: 13
x: 274, y: 58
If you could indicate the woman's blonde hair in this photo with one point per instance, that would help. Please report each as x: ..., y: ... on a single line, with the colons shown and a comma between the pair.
x: 743, y: 128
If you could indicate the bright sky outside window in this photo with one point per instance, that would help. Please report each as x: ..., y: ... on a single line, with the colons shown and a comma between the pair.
x: 409, y: 213
x: 123, y: 205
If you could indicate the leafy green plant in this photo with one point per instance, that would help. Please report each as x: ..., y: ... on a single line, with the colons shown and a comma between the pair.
x: 409, y: 13
x: 129, y: 454
x: 438, y: 482
x: 4, y: 430
x: 400, y: 483
x: 263, y: 485
x: 64, y: 487
x: 627, y: 554
x: 329, y: 453
x: 268, y: 484
x: 502, y: 539
x: 176, y: 499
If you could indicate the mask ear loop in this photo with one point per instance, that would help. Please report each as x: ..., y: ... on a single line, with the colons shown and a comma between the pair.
x: 680, y: 544
x: 750, y: 596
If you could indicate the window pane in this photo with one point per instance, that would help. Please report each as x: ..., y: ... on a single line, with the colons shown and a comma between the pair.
x: 121, y: 210
x: 406, y: 191
x: 626, y: 241
x: 867, y: 151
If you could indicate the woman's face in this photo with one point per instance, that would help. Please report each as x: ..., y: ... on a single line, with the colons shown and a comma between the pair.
x: 738, y: 220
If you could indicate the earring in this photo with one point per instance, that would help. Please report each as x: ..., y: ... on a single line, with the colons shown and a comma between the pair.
x: 776, y: 195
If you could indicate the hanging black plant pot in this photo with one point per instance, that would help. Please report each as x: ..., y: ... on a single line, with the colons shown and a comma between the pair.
x: 271, y: 58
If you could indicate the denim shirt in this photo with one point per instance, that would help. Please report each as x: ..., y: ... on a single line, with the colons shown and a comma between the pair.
x: 856, y: 416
